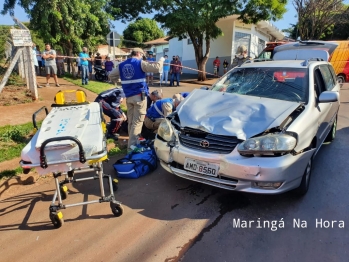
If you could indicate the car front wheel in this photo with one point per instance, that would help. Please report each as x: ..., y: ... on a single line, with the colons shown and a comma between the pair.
x: 304, y: 186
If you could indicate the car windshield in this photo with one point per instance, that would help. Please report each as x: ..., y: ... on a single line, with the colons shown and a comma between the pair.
x: 290, y: 84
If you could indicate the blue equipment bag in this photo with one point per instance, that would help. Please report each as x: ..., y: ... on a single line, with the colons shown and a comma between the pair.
x: 136, y: 164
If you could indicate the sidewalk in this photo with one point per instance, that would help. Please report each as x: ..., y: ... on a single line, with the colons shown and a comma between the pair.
x: 192, y: 79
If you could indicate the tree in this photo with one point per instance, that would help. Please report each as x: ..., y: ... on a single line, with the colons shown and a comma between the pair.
x: 67, y: 23
x: 197, y: 20
x: 4, y: 36
x: 140, y: 31
x: 292, y: 32
x: 317, y: 18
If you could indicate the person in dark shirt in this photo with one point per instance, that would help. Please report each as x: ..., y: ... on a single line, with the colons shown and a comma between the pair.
x: 110, y: 101
x: 98, y: 60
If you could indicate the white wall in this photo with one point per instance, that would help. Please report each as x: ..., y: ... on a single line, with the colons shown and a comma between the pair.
x: 175, y: 48
x: 223, y: 46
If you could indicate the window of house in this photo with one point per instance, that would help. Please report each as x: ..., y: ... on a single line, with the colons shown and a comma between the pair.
x: 242, y: 39
x: 189, y: 41
x: 261, y: 45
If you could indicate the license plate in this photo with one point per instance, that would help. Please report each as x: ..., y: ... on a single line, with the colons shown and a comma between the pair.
x: 201, y: 167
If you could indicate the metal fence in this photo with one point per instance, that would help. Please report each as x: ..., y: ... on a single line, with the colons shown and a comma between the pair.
x: 17, y: 63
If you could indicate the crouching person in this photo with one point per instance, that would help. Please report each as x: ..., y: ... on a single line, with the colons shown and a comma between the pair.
x: 110, y: 101
x: 159, y: 110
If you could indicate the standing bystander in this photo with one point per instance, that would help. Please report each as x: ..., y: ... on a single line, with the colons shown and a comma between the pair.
x: 108, y: 65
x: 150, y: 75
x: 98, y: 60
x: 133, y: 81
x: 39, y: 58
x: 216, y: 63
x: 175, y: 71
x: 90, y: 65
x: 50, y: 64
x: 166, y: 69
x: 84, y: 58
x: 225, y: 65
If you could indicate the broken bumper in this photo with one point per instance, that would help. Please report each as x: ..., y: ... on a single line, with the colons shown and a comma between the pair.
x: 238, y: 173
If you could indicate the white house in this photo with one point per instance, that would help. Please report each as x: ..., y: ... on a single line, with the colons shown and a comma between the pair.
x: 235, y: 33
x: 159, y: 46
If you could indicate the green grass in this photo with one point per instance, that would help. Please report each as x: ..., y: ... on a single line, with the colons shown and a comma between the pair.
x: 13, y: 139
x: 11, y: 173
x: 94, y: 86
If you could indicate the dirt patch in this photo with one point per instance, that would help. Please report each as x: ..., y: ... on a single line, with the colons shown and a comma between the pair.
x: 14, y: 95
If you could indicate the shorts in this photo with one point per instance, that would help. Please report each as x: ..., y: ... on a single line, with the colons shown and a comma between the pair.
x: 150, y: 74
x: 51, y: 69
x: 40, y: 63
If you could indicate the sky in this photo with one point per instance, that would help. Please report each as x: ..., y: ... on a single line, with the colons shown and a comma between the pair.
x: 288, y: 18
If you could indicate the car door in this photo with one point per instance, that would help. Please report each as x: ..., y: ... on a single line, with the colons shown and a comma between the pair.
x: 323, y: 109
x: 331, y: 84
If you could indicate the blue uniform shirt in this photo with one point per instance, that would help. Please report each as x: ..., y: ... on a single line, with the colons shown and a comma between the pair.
x: 153, y: 113
x: 132, y: 77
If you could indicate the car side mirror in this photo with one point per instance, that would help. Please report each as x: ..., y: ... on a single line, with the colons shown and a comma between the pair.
x: 328, y: 96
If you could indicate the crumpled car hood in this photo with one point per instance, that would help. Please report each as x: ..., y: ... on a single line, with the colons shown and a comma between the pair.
x: 231, y: 114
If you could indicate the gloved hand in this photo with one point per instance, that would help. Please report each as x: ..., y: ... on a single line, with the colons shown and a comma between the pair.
x: 162, y: 59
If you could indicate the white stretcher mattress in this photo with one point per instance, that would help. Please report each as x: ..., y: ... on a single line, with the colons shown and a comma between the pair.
x: 82, y: 122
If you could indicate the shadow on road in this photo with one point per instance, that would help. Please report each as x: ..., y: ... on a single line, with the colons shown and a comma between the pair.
x: 164, y: 196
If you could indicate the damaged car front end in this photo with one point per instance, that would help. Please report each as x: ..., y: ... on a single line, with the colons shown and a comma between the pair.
x: 246, y: 134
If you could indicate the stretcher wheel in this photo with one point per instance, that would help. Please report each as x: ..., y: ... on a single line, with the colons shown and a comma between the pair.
x: 116, y: 209
x: 57, y: 219
x: 64, y: 192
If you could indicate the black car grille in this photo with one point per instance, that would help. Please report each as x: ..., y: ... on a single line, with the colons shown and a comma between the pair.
x: 203, y: 141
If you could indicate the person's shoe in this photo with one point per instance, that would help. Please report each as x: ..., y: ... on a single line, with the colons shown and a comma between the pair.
x: 82, y: 83
x: 114, y: 136
x: 57, y: 85
x: 47, y: 85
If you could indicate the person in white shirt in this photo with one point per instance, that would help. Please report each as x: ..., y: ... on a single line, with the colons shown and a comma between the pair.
x: 39, y: 58
x: 166, y: 69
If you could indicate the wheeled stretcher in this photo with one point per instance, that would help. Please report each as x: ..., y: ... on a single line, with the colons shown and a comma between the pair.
x: 71, y: 140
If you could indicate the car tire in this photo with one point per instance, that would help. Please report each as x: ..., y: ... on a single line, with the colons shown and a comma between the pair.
x: 304, y: 186
x: 340, y: 80
x: 332, y: 135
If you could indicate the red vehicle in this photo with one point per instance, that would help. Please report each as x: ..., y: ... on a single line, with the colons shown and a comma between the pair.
x: 267, y: 52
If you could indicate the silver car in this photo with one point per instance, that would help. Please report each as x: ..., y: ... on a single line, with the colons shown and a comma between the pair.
x: 257, y: 129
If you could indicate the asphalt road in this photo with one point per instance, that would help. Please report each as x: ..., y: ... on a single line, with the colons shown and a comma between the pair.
x: 167, y: 218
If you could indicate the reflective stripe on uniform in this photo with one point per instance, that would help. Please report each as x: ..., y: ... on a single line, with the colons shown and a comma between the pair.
x: 133, y: 81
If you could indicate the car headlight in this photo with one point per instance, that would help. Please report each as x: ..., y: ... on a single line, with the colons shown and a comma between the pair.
x: 166, y: 131
x: 271, y: 143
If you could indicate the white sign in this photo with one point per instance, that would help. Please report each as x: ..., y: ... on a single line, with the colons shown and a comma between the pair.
x: 21, y: 37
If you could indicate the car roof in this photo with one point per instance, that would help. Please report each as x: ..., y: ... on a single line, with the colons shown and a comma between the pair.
x: 281, y: 63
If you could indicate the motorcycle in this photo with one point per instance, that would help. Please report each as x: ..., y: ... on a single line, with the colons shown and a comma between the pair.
x: 100, y: 74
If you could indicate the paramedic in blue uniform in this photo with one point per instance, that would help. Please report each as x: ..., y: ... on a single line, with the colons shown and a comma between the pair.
x: 110, y: 101
x: 153, y: 97
x: 159, y: 110
x: 132, y: 73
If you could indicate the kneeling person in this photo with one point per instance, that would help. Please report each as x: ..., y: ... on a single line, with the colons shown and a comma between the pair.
x: 159, y: 110
x: 111, y: 100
